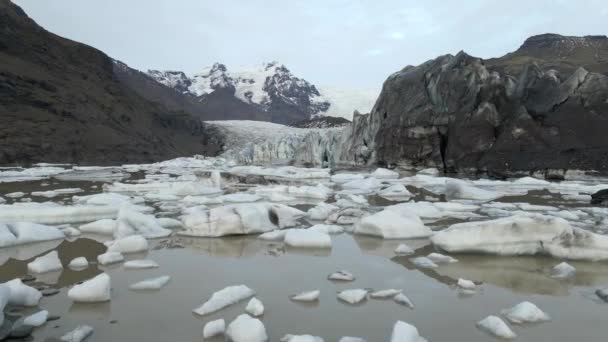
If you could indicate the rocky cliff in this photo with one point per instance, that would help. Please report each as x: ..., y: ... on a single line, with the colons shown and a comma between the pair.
x: 61, y: 101
x: 543, y: 107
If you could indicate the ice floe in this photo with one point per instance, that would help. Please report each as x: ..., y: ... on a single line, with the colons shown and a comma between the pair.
x: 101, y: 227
x: 37, y: 319
x: 52, y: 213
x: 131, y: 222
x: 341, y: 275
x: 524, y: 235
x: 78, y: 263
x: 301, y: 338
x: 404, y: 249
x: 156, y: 283
x: 255, y: 307
x: 525, y: 312
x: 395, y: 192
x: 466, y: 284
x: 46, y: 263
x: 381, y: 173
x: 495, y: 326
x: 129, y: 244
x: 306, y: 238
x: 246, y: 329
x: 351, y: 339
x: 405, y: 332
x: 441, y: 259
x: 353, y: 296
x: 423, y: 262
x: 239, y: 219
x: 140, y: 264
x: 96, y: 289
x: 563, y: 270
x: 20, y: 233
x: 308, y: 296
x: 327, y: 228
x: 457, y: 189
x: 21, y: 294
x: 223, y: 298
x: 390, y: 224
x: 402, y: 299
x: 110, y: 258
x: 79, y: 334
x: 214, y: 328
x: 383, y: 294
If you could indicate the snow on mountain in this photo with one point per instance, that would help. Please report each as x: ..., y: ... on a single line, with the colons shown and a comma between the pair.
x: 271, y: 87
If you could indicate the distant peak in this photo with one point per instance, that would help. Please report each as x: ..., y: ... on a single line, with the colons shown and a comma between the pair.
x: 218, y: 67
x: 553, y: 38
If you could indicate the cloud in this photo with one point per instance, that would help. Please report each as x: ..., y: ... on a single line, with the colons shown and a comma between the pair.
x: 396, y: 35
x: 374, y: 52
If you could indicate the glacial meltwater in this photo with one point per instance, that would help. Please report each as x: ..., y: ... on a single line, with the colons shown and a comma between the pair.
x: 210, y: 225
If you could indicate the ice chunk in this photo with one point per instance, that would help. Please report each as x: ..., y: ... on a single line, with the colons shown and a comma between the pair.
x: 524, y: 235
x: 404, y: 332
x: 321, y: 211
x: 169, y: 223
x: 525, y: 312
x: 341, y: 275
x: 70, y: 232
x: 5, y: 295
x: 130, y: 222
x: 78, y: 263
x: 389, y: 224
x: 327, y: 229
x: 140, y: 264
x: 456, y: 189
x: 129, y: 244
x: 367, y: 185
x: 51, y: 213
x: 275, y: 235
x: 255, y: 307
x: 466, y: 284
x: 223, y: 298
x: 151, y: 284
x: 497, y: 327
x: 306, y: 238
x: 239, y: 219
x: 346, y: 177
x: 246, y: 329
x: 23, y: 232
x: 214, y: 328
x: 602, y: 294
x: 563, y: 270
x: 308, y: 296
x: 353, y: 296
x: 402, y: 299
x: 423, y: 262
x: 110, y: 258
x: 22, y: 294
x: 101, y: 227
x: 404, y: 249
x: 396, y: 192
x: 383, y: 294
x: 441, y: 259
x: 37, y: 319
x: 422, y: 209
x: 46, y: 263
x: 351, y: 201
x: 79, y: 334
x: 16, y: 194
x: 381, y: 173
x: 301, y: 338
x: 240, y: 198
x: 96, y: 289
x: 351, y: 339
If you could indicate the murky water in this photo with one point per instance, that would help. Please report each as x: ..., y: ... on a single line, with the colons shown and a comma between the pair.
x: 200, y: 266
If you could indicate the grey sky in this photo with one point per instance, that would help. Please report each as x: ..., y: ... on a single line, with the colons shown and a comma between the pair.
x: 352, y: 43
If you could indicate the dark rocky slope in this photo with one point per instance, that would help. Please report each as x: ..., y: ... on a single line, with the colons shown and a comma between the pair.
x: 542, y: 107
x: 60, y: 101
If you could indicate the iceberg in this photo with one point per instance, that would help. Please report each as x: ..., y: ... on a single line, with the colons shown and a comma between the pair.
x: 404, y: 332
x: 151, y: 284
x: 129, y: 244
x: 130, y: 222
x: 78, y: 263
x: 21, y: 294
x: 223, y: 298
x: 20, y: 233
x: 255, y: 307
x: 308, y: 296
x: 306, y: 238
x: 353, y: 296
x: 246, y: 329
x: 79, y: 334
x: 96, y: 289
x: 47, y: 263
x: 214, y: 328
x: 140, y: 264
x: 497, y: 327
x: 563, y: 270
x: 525, y: 312
x: 389, y: 224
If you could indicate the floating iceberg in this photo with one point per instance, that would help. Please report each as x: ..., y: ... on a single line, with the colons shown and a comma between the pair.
x: 404, y: 332
x: 129, y: 244
x: 308, y: 296
x: 381, y: 173
x: 424, y: 262
x: 140, y: 264
x: 78, y: 263
x: 151, y: 284
x: 78, y: 335
x: 383, y: 294
x: 389, y: 224
x: 47, y: 263
x: 306, y: 238
x: 101, y: 227
x: 563, y: 270
x: 255, y: 307
x: 457, y: 189
x: 341, y: 275
x: 20, y: 233
x: 223, y: 298
x: 214, y: 328
x: 51, y: 213
x: 37, y: 319
x: 524, y: 235
x: 130, y: 222
x: 21, y: 294
x: 402, y: 299
x: 239, y: 219
x: 466, y: 284
x: 96, y: 289
x: 110, y: 258
x: 441, y: 259
x: 353, y: 296
x: 404, y: 249
x: 497, y: 327
x: 525, y: 312
x: 395, y: 192
x: 301, y: 338
x: 246, y: 329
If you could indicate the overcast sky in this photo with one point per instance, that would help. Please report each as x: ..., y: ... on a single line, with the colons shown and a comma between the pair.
x: 348, y: 43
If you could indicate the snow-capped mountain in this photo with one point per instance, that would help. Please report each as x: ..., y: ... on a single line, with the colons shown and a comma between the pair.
x: 270, y: 88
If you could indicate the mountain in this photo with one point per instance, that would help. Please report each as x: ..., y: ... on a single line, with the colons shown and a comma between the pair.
x: 61, y: 101
x: 541, y: 108
x: 268, y: 92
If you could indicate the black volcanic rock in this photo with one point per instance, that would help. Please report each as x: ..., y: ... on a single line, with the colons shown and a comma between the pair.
x: 60, y: 101
x: 322, y: 122
x: 462, y: 113
x: 600, y: 198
